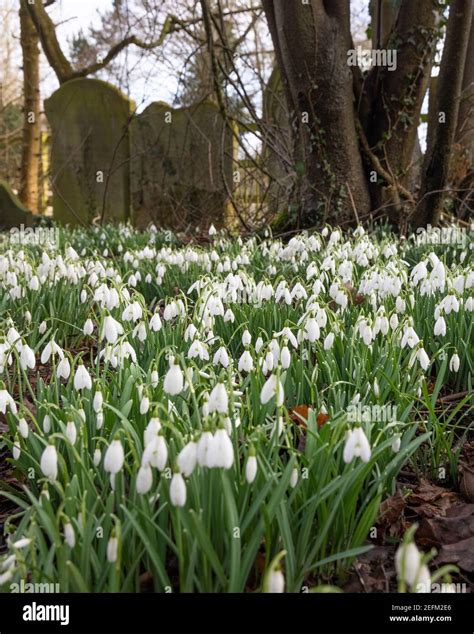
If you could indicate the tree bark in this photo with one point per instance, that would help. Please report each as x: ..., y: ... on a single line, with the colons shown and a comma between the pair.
x: 448, y: 93
x: 396, y: 97
x: 311, y: 43
x: 465, y: 124
x: 31, y: 147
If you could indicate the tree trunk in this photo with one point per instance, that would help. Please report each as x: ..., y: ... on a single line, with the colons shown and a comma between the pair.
x: 396, y: 97
x: 311, y: 41
x: 383, y: 15
x: 448, y: 93
x: 465, y: 124
x: 31, y: 148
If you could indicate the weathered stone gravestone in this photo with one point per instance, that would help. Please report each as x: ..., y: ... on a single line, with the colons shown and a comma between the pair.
x: 182, y: 163
x: 90, y: 151
x: 12, y: 212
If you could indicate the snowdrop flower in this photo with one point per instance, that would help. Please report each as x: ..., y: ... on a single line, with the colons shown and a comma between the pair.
x: 133, y: 312
x: 258, y: 345
x: 222, y: 357
x: 177, y: 490
x: 311, y: 330
x: 151, y: 430
x: 251, y: 467
x: 98, y: 401
x: 245, y: 362
x: 111, y: 329
x: 440, y: 327
x: 275, y: 582
x: 50, y: 349
x: 393, y: 321
x: 88, y: 328
x: 451, y: 303
x: 16, y: 450
x: 97, y: 457
x: 156, y: 453
x: 454, y: 363
x: 224, y: 450
x: 154, y: 378
x: 69, y: 535
x: 272, y: 387
x: 328, y: 341
x: 294, y: 477
x: 24, y: 542
x: 6, y: 576
x: 285, y: 357
x: 114, y: 457
x: 7, y: 401
x: 144, y: 405
x: 112, y: 549
x: 71, y: 432
x: 246, y: 338
x: 140, y: 332
x: 408, y: 562
x: 198, y: 349
x: 99, y: 421
x: 49, y: 463
x: 27, y: 357
x: 357, y: 446
x: 409, y: 338
x: 144, y: 479
x: 190, y: 332
x: 174, y: 379
x: 376, y: 388
x: 187, y: 458
x: 218, y: 400
x: 396, y: 443
x: 42, y: 328
x: 64, y: 369
x: 212, y: 230
x: 229, y: 316
x: 423, y: 358
x: 400, y: 305
x: 82, y: 378
x: 155, y: 323
x: 286, y: 332
x: 46, y: 424
x: 23, y: 428
x: 206, y: 450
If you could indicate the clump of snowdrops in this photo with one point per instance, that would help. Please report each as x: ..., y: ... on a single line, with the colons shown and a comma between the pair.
x: 149, y: 388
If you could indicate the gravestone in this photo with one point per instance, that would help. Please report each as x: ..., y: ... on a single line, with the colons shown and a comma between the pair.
x: 90, y: 151
x: 182, y: 163
x: 12, y: 211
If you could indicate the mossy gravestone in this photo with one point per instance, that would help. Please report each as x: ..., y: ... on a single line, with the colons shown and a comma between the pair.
x: 90, y: 151
x: 181, y: 166
x: 12, y: 212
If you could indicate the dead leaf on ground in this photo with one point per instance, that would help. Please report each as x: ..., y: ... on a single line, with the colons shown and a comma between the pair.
x: 391, y: 520
x: 439, y: 531
x: 430, y: 500
x: 461, y: 553
x: 300, y: 414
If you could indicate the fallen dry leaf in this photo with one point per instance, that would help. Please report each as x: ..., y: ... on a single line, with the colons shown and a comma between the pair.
x: 461, y: 553
x: 300, y: 413
x: 430, y: 500
x: 439, y: 531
